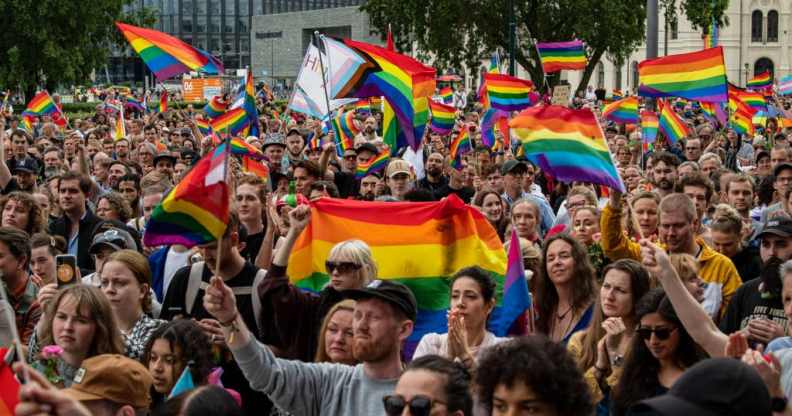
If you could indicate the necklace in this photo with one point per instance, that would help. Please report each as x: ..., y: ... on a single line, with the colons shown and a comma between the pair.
x: 563, y: 315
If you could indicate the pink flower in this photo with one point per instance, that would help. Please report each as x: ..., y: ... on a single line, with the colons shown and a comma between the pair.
x: 51, y: 351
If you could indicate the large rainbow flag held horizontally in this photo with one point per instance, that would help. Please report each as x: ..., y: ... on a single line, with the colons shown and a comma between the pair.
x: 196, y: 210
x: 419, y: 244
x: 622, y: 111
x: 556, y: 56
x: 506, y: 93
x: 699, y: 76
x: 567, y: 144
x: 168, y: 56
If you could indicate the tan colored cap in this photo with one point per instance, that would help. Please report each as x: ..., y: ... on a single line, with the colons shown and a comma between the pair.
x: 398, y: 166
x: 112, y: 377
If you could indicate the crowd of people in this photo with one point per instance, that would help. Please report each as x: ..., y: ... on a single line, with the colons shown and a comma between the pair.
x: 673, y: 297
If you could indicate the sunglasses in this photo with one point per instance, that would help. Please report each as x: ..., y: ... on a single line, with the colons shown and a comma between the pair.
x: 342, y: 266
x: 419, y: 405
x: 661, y: 333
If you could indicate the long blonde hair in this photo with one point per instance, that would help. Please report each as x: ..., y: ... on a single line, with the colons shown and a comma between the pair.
x: 321, y: 353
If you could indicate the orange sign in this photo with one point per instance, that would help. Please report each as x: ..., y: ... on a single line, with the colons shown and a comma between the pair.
x: 193, y: 89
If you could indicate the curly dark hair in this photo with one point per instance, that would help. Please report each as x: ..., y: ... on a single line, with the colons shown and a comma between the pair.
x: 542, y: 365
x: 36, y: 220
x: 639, y: 378
x: 189, y: 343
x: 584, y: 290
x: 457, y: 381
x: 483, y: 279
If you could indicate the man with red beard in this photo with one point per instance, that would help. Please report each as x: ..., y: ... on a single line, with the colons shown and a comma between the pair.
x: 383, y: 318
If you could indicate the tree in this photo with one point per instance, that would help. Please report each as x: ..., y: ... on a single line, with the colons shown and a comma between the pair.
x: 54, y: 42
x: 699, y: 13
x: 453, y: 32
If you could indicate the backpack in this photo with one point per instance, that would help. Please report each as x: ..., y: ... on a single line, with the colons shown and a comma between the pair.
x: 196, y: 283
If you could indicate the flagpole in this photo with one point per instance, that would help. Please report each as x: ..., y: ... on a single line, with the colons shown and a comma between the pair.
x: 318, y: 37
x: 227, y: 155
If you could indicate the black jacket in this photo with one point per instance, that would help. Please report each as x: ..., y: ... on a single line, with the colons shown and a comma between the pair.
x: 88, y: 224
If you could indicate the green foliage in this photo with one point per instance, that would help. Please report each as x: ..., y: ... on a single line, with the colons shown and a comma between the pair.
x: 698, y: 12
x: 453, y: 32
x: 54, y: 42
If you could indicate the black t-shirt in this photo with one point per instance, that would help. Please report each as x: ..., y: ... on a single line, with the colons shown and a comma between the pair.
x: 464, y: 193
x: 252, y: 246
x: 433, y: 187
x: 347, y: 184
x: 748, y: 303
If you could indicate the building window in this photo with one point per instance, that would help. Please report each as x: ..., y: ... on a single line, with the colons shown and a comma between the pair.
x: 674, y: 29
x: 756, y: 26
x: 634, y: 76
x: 600, y: 75
x: 772, y: 26
x: 617, y: 77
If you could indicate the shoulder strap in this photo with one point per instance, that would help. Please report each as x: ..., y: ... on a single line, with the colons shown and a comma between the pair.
x: 254, y: 297
x: 193, y: 285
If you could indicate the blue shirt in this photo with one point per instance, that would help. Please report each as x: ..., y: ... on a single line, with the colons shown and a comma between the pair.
x: 545, y: 212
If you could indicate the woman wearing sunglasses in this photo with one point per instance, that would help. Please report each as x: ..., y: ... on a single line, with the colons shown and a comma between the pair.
x: 661, y: 351
x: 431, y: 385
x: 599, y: 351
x: 349, y: 266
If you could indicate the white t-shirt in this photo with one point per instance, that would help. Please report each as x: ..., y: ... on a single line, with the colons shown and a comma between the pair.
x: 173, y: 262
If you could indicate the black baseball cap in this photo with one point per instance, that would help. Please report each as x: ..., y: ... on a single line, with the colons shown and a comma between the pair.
x: 367, y: 147
x: 511, y: 165
x: 395, y: 293
x: 713, y: 387
x: 114, y: 238
x: 780, y: 226
x: 26, y: 164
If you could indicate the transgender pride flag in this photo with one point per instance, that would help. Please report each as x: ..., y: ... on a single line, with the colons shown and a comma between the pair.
x: 785, y: 85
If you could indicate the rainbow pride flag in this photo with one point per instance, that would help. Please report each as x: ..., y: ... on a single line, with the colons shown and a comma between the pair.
x: 255, y: 167
x: 760, y: 81
x: 711, y: 37
x: 400, y: 79
x: 163, y: 103
x: 204, y: 126
x: 697, y: 76
x: 443, y: 117
x: 785, y: 85
x: 649, y: 126
x: 714, y: 112
x: 742, y: 114
x: 231, y: 122
x: 345, y: 130
x: 43, y: 105
x: 567, y: 144
x: 407, y: 248
x: 617, y: 94
x: 241, y: 148
x: 556, y: 56
x: 494, y: 64
x: 196, y: 210
x: 622, y: 111
x: 215, y: 107
x: 489, y: 120
x: 376, y: 164
x: 459, y: 147
x: 133, y: 103
x: 362, y: 105
x: 670, y: 124
x: 447, y: 95
x: 507, y: 93
x: 167, y: 56
x: 119, y: 132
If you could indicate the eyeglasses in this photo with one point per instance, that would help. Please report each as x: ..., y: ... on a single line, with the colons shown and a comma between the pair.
x: 420, y: 405
x: 342, y: 266
x: 661, y: 333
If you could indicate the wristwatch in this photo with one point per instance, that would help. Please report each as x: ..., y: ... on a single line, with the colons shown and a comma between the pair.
x: 778, y: 404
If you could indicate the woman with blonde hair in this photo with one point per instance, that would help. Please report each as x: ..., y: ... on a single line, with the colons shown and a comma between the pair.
x: 335, y: 335
x: 125, y: 278
x: 79, y: 321
x: 687, y: 268
x: 349, y: 265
